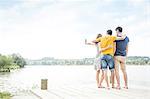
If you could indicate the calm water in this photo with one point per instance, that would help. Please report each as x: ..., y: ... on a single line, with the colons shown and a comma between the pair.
x: 30, y: 77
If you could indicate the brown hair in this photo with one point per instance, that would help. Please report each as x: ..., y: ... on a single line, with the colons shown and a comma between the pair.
x: 98, y: 35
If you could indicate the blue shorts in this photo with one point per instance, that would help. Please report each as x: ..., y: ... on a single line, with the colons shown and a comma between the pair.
x: 107, y: 61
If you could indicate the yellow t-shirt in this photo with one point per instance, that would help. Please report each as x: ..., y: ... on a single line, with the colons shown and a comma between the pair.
x: 105, y: 42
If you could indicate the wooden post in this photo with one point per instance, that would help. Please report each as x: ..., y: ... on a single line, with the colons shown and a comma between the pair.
x: 44, y: 84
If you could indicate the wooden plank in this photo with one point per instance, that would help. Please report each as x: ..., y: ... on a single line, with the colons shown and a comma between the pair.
x: 91, y: 92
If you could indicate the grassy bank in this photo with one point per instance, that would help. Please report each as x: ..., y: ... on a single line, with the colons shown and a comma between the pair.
x: 9, y: 68
x: 5, y: 95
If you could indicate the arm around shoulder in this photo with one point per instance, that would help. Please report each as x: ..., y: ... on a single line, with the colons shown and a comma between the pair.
x: 122, y: 37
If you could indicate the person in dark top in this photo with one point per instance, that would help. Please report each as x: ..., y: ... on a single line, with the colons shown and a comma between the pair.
x: 120, y: 58
x: 121, y: 47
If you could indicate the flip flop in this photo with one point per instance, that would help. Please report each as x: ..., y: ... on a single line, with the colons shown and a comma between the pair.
x: 108, y: 88
x: 113, y: 87
x: 101, y: 87
x: 125, y: 87
x: 118, y: 87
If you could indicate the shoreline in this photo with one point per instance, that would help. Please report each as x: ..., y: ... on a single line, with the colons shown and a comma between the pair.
x: 83, y: 76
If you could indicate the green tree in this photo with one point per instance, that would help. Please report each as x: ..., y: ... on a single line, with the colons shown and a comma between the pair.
x: 5, y: 62
x: 19, y: 60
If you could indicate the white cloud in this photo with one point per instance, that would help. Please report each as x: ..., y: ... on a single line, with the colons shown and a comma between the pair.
x: 59, y: 29
x: 136, y: 2
x: 49, y: 33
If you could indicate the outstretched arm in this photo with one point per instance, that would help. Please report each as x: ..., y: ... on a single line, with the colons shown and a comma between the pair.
x: 97, y: 40
x: 89, y: 43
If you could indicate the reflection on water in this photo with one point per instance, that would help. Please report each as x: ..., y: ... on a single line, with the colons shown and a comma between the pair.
x: 30, y: 76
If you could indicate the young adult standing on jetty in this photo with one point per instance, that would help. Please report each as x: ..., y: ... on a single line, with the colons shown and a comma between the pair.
x: 120, y: 57
x: 97, y: 63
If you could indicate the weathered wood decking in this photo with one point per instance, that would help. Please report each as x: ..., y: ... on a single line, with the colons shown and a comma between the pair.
x: 91, y: 92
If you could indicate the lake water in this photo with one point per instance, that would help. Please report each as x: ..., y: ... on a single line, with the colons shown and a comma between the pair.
x: 30, y: 77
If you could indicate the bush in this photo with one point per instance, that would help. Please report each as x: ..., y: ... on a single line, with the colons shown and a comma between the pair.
x: 5, y: 95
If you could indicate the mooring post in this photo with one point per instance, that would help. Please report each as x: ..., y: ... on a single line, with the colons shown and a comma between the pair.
x: 44, y: 84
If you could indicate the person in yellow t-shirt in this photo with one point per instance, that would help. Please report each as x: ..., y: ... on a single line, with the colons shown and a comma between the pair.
x: 107, y: 41
x: 107, y: 58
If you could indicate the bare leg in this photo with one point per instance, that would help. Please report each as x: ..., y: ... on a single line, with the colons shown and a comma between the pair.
x: 112, y: 78
x: 117, y: 73
x: 97, y: 77
x: 101, y: 80
x: 123, y: 68
x: 106, y: 78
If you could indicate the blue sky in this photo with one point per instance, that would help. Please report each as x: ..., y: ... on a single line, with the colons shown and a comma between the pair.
x: 57, y: 28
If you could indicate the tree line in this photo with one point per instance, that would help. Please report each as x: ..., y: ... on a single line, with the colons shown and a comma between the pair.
x: 138, y: 60
x: 131, y: 60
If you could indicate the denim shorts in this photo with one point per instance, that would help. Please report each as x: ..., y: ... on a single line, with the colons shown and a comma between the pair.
x: 107, y: 61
